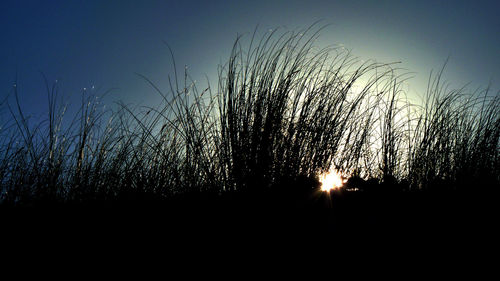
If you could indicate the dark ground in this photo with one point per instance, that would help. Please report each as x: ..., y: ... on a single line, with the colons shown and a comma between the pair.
x: 438, y: 225
x: 314, y: 214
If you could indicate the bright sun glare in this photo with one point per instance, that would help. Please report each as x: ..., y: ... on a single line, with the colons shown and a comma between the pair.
x: 331, y: 181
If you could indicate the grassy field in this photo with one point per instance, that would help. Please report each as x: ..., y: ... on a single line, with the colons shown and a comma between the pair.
x: 248, y: 152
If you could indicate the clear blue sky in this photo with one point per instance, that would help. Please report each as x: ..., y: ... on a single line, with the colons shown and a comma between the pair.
x: 103, y: 43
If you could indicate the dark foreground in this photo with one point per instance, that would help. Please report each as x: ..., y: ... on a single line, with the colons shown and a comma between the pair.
x: 413, y: 232
x: 242, y: 218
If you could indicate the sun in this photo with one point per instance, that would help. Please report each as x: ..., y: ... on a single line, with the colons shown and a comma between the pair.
x: 331, y: 180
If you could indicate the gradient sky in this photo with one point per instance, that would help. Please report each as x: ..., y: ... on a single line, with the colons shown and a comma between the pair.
x: 104, y: 43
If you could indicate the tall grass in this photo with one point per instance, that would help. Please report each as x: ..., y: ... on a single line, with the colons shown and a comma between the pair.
x: 456, y: 138
x: 283, y: 109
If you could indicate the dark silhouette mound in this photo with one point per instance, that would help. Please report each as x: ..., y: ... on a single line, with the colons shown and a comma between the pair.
x: 293, y: 216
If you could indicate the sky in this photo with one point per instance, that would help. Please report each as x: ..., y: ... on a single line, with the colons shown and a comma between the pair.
x: 100, y: 45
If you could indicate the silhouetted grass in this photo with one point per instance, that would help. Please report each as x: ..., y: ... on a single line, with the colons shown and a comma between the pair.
x: 284, y: 110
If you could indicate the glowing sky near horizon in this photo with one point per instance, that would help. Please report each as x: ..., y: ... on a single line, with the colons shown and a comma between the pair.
x: 102, y: 44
